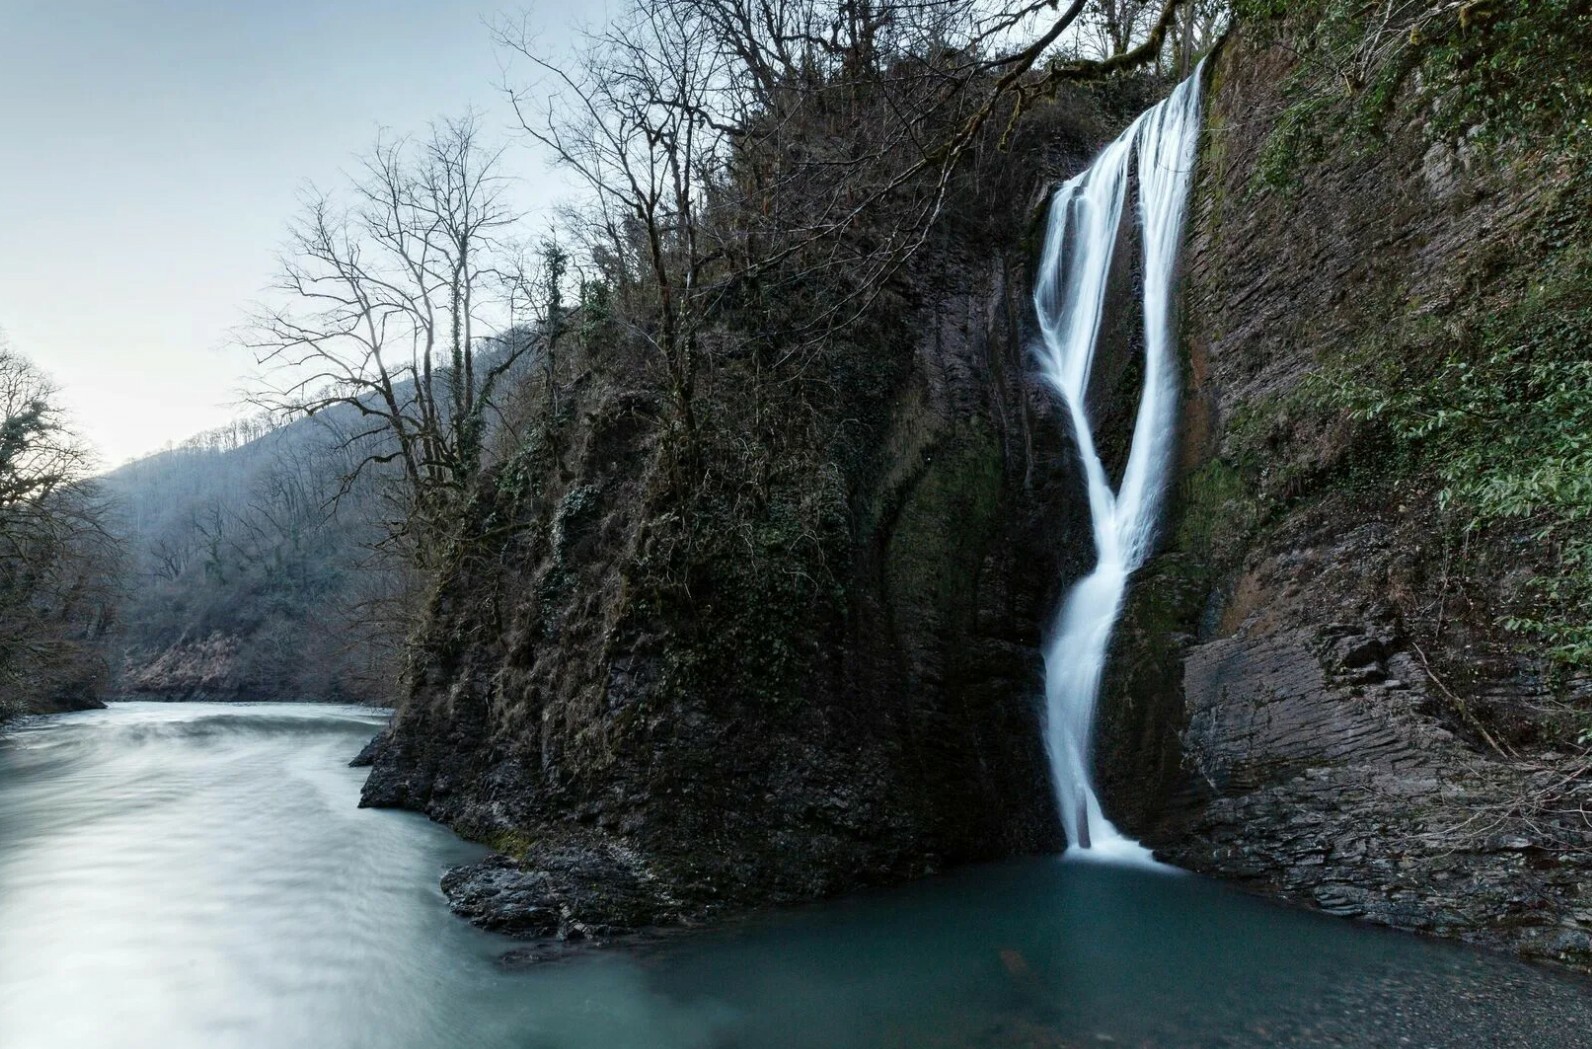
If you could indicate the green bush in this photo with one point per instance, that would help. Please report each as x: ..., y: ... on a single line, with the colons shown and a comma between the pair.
x: 1503, y: 420
x: 1485, y: 70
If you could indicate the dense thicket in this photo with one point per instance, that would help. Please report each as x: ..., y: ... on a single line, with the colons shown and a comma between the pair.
x: 55, y: 563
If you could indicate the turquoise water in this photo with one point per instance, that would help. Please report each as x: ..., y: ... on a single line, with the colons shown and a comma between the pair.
x: 198, y: 875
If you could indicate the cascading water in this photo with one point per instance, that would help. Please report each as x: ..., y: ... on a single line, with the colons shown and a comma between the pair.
x: 1070, y: 296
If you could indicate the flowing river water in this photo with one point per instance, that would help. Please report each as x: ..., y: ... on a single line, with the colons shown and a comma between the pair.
x: 198, y: 875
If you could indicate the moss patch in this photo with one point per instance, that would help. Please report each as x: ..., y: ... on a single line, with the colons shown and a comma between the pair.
x: 928, y: 566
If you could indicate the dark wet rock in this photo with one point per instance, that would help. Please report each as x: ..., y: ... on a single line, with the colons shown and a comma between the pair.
x: 751, y: 738
x: 1357, y: 652
x: 570, y: 894
x: 536, y: 955
x: 66, y: 702
x: 367, y: 754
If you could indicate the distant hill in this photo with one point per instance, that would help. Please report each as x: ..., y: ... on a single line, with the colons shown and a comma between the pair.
x: 248, y: 577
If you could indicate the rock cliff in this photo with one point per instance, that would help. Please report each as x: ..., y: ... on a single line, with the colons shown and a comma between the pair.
x: 823, y: 671
x: 831, y: 678
x: 1312, y: 692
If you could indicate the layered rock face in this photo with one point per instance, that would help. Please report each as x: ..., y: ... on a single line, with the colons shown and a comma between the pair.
x: 1310, y: 692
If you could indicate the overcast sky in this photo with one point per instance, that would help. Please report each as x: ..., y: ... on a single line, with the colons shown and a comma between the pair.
x: 150, y: 155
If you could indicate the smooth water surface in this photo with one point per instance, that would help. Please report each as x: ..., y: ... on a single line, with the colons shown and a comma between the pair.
x: 198, y: 875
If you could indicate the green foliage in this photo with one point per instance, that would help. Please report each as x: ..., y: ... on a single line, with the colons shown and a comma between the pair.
x: 753, y: 575
x: 575, y: 510
x: 1489, y: 70
x: 596, y: 309
x: 1260, y: 10
x: 1516, y: 70
x: 1219, y: 509
x: 516, y: 480
x: 1329, y: 107
x: 1503, y: 420
x: 509, y: 842
x: 1300, y: 136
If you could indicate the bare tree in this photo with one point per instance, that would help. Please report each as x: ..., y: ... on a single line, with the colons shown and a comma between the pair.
x: 383, y: 304
x: 169, y: 555
x: 797, y: 151
x: 637, y: 121
x: 55, y: 566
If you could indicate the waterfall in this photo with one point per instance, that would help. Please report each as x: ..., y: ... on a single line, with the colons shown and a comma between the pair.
x: 1070, y: 295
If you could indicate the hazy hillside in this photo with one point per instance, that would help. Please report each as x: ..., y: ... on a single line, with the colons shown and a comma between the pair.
x: 247, y: 574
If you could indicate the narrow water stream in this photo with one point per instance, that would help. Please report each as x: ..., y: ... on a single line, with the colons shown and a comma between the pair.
x: 1083, y: 236
x: 198, y: 875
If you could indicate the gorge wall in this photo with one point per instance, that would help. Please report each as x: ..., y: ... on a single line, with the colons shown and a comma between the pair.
x: 823, y: 671
x: 831, y: 678
x: 1315, y: 694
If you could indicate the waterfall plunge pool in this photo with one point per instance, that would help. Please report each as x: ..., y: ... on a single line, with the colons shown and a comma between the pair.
x: 197, y: 875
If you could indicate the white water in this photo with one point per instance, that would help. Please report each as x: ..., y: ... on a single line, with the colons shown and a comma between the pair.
x: 1086, y: 220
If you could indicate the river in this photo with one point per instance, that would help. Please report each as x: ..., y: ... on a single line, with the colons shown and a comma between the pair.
x: 198, y: 875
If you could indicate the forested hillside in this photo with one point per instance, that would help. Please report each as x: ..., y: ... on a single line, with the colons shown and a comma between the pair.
x: 249, y: 571
x: 275, y: 558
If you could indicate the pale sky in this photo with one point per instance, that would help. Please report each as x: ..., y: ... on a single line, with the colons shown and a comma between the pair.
x: 150, y: 156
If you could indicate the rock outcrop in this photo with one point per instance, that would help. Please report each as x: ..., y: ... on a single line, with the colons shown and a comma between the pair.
x: 1304, y: 697
x: 1311, y: 695
x: 829, y: 675
x: 204, y: 669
